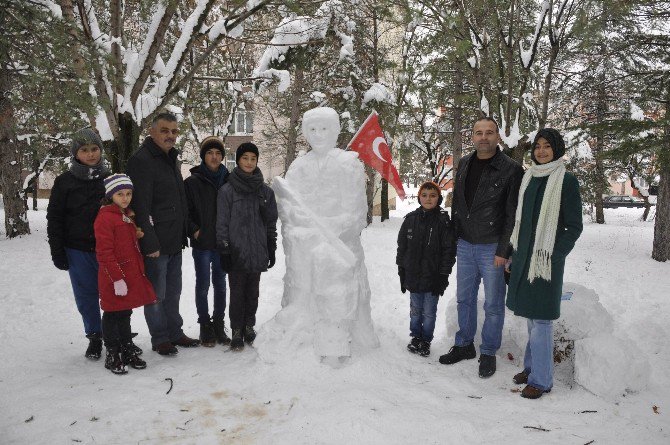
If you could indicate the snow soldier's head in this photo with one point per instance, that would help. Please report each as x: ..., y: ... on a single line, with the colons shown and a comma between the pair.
x: 321, y: 127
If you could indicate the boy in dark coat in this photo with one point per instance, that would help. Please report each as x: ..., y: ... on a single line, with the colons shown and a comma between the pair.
x: 201, y: 190
x: 73, y: 206
x: 426, y: 255
x: 246, y: 237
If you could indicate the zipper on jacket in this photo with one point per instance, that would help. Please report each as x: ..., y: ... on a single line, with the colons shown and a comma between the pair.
x: 429, y: 236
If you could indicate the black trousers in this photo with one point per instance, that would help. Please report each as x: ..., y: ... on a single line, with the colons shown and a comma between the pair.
x: 243, y: 298
x: 116, y: 328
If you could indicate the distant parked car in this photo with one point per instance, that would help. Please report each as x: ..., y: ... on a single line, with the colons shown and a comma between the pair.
x: 613, y: 202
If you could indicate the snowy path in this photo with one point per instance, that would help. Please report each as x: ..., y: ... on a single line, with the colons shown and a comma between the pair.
x: 51, y: 394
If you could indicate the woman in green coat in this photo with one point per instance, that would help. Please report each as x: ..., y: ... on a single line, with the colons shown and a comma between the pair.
x: 548, y: 223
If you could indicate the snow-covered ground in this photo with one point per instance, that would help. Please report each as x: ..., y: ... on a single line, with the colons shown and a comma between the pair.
x: 49, y: 393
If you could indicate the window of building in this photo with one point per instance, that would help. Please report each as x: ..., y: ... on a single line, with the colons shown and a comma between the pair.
x: 243, y: 123
x: 230, y: 161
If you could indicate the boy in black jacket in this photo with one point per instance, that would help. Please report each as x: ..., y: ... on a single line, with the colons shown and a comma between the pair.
x: 201, y: 192
x: 426, y: 254
x: 73, y: 206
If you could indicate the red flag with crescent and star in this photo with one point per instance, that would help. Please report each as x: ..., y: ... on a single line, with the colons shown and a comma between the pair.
x: 370, y: 144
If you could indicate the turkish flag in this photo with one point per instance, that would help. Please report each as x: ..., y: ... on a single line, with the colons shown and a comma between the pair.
x: 373, y: 149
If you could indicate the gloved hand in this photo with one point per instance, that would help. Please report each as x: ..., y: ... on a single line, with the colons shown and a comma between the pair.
x: 224, y: 255
x: 440, y: 285
x: 401, y: 274
x: 60, y: 261
x: 271, y: 255
x: 120, y: 288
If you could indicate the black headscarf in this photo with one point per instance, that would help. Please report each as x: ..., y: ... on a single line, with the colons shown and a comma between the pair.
x: 555, y: 140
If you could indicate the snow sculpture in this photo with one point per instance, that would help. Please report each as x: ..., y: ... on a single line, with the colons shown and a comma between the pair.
x: 323, y: 208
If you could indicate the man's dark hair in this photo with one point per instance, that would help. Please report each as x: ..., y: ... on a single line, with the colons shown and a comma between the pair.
x: 490, y: 119
x: 165, y: 116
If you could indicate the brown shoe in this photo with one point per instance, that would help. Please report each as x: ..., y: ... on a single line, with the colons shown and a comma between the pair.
x: 531, y: 392
x: 520, y: 378
x: 186, y: 342
x: 166, y: 348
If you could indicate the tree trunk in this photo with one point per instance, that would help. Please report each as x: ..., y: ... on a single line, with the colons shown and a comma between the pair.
x: 598, y: 153
x: 385, y: 200
x: 129, y: 140
x: 457, y: 140
x: 370, y: 190
x: 661, y: 249
x: 36, y: 181
x: 16, y: 217
x: 553, y: 55
x: 296, y: 96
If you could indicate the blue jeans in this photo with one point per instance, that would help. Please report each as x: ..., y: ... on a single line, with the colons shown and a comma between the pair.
x: 422, y: 314
x: 474, y: 263
x: 84, y: 278
x: 163, y: 317
x: 203, y: 260
x: 538, y: 362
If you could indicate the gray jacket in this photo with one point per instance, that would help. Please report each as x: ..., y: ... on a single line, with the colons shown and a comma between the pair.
x: 159, y: 199
x: 246, y: 221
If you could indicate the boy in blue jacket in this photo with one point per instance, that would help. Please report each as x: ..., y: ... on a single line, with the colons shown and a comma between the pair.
x: 426, y: 255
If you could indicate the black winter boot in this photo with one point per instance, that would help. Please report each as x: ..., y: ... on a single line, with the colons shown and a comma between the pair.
x: 424, y: 349
x: 414, y: 345
x: 94, y: 350
x: 487, y: 365
x: 458, y: 353
x: 249, y: 335
x: 237, y: 343
x: 207, y: 337
x: 129, y: 356
x: 134, y: 347
x: 113, y: 361
x: 220, y: 331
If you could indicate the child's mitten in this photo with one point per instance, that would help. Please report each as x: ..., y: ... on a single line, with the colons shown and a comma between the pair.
x: 120, y: 288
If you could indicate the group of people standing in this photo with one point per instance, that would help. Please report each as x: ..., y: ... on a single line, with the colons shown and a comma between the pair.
x: 120, y: 237
x: 506, y: 226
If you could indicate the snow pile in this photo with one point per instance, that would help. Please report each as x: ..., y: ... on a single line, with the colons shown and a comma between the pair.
x: 587, y: 351
x: 610, y: 366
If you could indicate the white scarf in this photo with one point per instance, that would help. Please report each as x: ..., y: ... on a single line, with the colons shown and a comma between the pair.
x: 545, y: 232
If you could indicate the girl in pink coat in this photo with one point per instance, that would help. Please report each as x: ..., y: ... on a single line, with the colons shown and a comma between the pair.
x: 122, y: 282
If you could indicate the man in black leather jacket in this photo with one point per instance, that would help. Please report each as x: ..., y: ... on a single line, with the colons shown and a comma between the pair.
x: 486, y: 189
